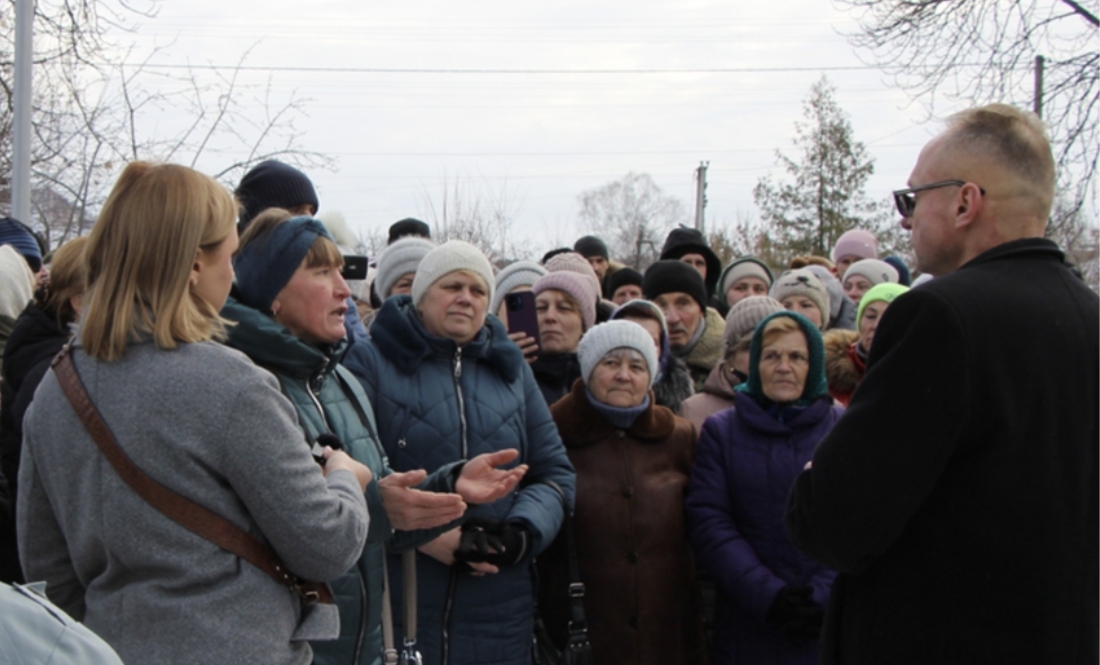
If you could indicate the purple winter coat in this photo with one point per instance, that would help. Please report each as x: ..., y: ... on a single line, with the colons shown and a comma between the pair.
x: 746, y: 462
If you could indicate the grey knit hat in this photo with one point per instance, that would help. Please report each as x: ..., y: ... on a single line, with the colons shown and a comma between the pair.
x: 520, y: 273
x: 746, y: 266
x: 607, y: 337
x: 746, y: 314
x: 803, y: 282
x: 400, y: 258
x: 875, y: 270
x: 447, y: 258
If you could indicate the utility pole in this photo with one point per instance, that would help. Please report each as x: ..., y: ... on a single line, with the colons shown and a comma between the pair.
x: 1039, y: 61
x: 700, y: 196
x: 21, y: 128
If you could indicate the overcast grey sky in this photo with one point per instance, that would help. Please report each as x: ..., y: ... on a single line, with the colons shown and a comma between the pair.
x: 535, y: 134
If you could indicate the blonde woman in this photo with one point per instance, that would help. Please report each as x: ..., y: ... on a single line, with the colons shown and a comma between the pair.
x: 199, y: 418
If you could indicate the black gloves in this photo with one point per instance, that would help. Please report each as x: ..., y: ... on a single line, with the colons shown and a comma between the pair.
x: 492, y: 541
x: 795, y: 613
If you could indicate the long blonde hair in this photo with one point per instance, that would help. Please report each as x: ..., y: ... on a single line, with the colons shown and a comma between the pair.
x: 140, y: 255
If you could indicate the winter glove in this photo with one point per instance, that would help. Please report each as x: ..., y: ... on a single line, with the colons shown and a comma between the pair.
x: 807, y: 626
x: 492, y: 541
x: 795, y: 613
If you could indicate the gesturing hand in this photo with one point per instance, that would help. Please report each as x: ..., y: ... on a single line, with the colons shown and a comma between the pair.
x: 482, y: 482
x: 410, y: 508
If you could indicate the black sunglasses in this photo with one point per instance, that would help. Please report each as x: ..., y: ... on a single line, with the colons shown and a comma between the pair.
x: 906, y: 202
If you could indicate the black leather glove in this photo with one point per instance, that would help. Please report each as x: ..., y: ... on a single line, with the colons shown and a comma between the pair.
x: 492, y: 541
x: 795, y: 613
x: 807, y: 626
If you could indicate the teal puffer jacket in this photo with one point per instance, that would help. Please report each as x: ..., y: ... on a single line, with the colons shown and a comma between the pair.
x: 438, y: 403
x: 329, y: 399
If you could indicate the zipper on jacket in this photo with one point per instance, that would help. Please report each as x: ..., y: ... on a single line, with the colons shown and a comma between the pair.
x: 447, y: 615
x: 317, y: 403
x: 461, y: 401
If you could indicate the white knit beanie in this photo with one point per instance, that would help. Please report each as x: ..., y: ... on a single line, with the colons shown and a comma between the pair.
x: 520, y: 273
x: 803, y: 282
x: 400, y: 258
x: 607, y: 337
x: 875, y: 270
x: 447, y: 258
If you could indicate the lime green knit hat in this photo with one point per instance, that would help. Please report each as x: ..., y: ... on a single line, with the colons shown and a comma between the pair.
x: 887, y: 292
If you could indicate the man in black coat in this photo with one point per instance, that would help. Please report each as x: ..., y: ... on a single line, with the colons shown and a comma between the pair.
x: 958, y: 494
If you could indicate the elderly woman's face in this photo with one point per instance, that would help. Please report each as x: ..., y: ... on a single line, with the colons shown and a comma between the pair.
x: 313, y: 303
x: 784, y: 364
x: 455, y: 306
x: 560, y: 322
x: 621, y: 379
x: 855, y: 286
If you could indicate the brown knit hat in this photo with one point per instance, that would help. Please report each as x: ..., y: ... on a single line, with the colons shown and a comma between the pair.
x: 745, y: 315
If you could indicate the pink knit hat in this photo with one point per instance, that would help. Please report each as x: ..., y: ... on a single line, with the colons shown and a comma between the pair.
x: 856, y: 242
x: 582, y: 289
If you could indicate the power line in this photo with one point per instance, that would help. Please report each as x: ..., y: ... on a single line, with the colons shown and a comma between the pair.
x: 415, y: 70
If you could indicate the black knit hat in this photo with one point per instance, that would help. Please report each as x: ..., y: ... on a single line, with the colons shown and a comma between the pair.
x: 409, y: 227
x: 273, y: 184
x: 621, y: 277
x: 674, y: 276
x: 590, y: 246
x: 686, y: 240
x: 552, y: 253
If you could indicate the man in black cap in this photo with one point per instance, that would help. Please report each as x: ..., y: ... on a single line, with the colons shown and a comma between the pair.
x: 624, y: 285
x: 273, y: 184
x: 410, y: 226
x: 695, y: 331
x: 688, y: 245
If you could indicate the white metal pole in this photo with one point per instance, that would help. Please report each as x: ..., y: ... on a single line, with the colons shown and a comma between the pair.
x: 21, y: 130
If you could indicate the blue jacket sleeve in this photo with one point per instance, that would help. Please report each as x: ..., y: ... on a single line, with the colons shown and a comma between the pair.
x: 539, y: 506
x: 719, y: 546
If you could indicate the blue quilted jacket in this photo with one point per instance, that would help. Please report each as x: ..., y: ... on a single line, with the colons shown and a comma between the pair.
x: 438, y: 403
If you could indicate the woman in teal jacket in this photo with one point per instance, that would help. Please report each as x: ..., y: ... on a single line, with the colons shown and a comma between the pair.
x: 447, y: 383
x: 287, y: 313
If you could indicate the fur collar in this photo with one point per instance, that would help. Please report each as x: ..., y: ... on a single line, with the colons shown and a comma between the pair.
x: 581, y: 425
x: 841, y: 371
x: 675, y: 384
x: 400, y: 335
x: 708, y: 350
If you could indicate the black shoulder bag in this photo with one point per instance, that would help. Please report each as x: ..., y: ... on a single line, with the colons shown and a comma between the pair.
x: 578, y: 650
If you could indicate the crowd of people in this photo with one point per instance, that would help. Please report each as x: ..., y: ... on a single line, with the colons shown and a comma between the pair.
x: 829, y: 461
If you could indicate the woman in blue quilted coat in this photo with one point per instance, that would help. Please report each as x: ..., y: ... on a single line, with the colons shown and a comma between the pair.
x: 447, y: 383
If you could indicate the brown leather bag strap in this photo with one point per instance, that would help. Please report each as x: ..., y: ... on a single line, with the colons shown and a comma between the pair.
x: 185, y: 512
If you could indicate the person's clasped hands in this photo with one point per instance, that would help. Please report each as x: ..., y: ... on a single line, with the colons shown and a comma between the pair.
x: 795, y: 613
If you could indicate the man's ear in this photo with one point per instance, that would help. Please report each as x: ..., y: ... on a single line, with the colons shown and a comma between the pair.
x: 969, y: 204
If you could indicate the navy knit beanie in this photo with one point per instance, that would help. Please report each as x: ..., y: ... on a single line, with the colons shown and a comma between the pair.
x: 273, y: 184
x: 674, y: 276
x: 17, y: 234
x: 904, y: 276
x: 265, y: 265
x: 622, y: 277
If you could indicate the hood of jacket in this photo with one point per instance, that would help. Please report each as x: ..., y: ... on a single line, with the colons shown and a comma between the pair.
x: 270, y: 344
x: 34, y: 337
x: 581, y: 425
x: 400, y: 335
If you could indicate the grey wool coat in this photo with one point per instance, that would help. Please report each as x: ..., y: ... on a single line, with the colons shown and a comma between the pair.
x: 206, y: 422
